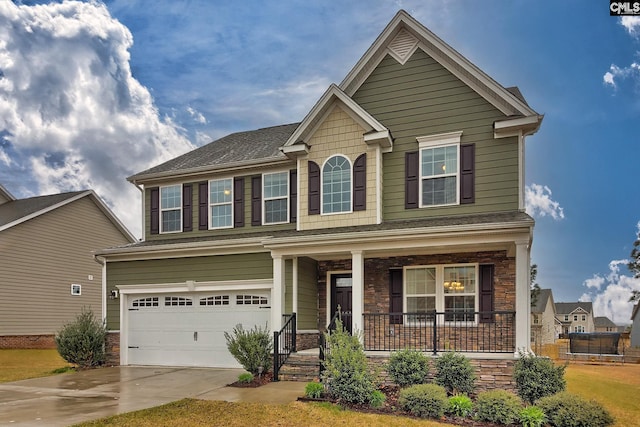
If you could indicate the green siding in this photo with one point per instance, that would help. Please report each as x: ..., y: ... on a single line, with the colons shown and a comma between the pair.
x: 422, y: 98
x: 307, y: 294
x: 179, y: 270
x: 248, y: 228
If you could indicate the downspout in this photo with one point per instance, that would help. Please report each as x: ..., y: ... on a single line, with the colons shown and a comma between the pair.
x: 103, y: 262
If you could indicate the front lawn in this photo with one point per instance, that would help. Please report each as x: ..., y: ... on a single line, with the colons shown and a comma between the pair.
x: 616, y: 387
x: 18, y: 365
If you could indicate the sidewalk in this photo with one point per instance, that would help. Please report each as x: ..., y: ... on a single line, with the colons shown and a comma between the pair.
x: 280, y: 392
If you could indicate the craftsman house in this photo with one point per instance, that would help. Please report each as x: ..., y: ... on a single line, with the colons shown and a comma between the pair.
x: 47, y: 270
x: 575, y: 317
x: 398, y: 199
x: 545, y: 328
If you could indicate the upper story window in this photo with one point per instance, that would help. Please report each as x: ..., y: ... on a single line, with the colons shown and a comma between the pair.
x: 566, y: 317
x: 171, y: 209
x: 221, y: 203
x: 336, y: 185
x: 276, y: 197
x: 584, y: 317
x: 439, y: 175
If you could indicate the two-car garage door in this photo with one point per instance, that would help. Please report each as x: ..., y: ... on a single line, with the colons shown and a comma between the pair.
x: 188, y: 329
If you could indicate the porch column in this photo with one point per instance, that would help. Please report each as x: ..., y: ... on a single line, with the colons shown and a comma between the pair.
x: 277, y: 293
x: 357, y: 292
x: 523, y: 298
x: 294, y: 296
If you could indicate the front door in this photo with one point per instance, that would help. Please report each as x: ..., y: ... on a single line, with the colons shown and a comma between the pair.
x: 341, y: 296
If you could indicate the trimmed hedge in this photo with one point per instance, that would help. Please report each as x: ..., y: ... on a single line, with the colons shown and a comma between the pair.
x: 569, y: 410
x: 424, y: 400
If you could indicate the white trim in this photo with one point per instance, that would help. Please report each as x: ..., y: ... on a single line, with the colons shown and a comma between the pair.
x: 161, y: 210
x: 277, y: 293
x: 357, y: 293
x: 192, y: 286
x: 378, y: 185
x: 439, y: 139
x: 521, y: 172
x: 298, y: 198
x: 78, y: 287
x: 210, y: 205
x: 430, y: 143
x: 322, y: 212
x: 287, y: 197
x: 294, y: 284
x: 328, y: 291
x: 516, y: 126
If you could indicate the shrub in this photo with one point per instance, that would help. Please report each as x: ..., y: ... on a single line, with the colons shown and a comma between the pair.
x: 455, y: 373
x: 314, y: 390
x: 345, y: 368
x: 424, y: 400
x: 251, y: 349
x: 377, y: 399
x: 82, y: 341
x: 408, y: 367
x: 245, y: 377
x: 532, y: 416
x: 568, y: 410
x: 498, y: 406
x: 537, y: 377
x: 460, y: 405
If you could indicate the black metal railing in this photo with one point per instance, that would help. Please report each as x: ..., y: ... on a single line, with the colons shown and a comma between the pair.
x: 464, y: 331
x: 322, y: 341
x: 284, y: 343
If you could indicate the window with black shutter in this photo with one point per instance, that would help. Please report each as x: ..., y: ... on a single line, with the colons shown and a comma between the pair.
x: 486, y: 293
x: 256, y: 200
x: 154, y: 211
x: 360, y: 183
x: 395, y: 296
x: 293, y: 196
x: 187, y: 211
x: 467, y: 173
x: 411, y: 184
x: 238, y: 202
x: 314, y: 188
x: 203, y: 206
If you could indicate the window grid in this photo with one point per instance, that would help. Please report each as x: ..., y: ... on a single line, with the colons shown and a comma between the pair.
x: 275, y: 188
x: 177, y: 301
x: 221, y: 203
x: 336, y: 185
x: 439, y: 175
x: 215, y: 300
x: 171, y: 208
x: 251, y: 300
x: 145, y: 302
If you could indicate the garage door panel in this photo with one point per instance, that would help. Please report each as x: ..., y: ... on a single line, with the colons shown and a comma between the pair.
x: 179, y: 334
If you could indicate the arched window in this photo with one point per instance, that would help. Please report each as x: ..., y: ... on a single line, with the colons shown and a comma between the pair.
x: 336, y: 185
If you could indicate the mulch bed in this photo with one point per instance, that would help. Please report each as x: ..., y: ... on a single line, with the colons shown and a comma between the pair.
x: 257, y: 381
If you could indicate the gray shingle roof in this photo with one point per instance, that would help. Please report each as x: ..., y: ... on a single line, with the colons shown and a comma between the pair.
x: 17, y: 209
x: 541, y: 303
x: 570, y: 307
x: 239, y: 147
x: 603, y: 322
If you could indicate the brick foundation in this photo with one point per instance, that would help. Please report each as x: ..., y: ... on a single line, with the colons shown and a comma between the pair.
x: 27, y: 342
x: 307, y: 340
x: 113, y: 349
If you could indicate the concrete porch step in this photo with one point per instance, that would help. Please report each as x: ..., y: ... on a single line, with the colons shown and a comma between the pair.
x: 303, y: 367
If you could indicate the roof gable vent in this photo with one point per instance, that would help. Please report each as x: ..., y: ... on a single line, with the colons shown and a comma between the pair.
x: 402, y: 46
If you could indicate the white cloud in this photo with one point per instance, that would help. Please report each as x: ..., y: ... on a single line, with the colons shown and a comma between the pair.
x: 197, y: 116
x: 71, y: 113
x: 610, y: 294
x: 631, y: 24
x: 632, y: 71
x: 538, y: 202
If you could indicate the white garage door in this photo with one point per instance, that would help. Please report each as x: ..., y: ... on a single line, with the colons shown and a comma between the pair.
x: 188, y: 329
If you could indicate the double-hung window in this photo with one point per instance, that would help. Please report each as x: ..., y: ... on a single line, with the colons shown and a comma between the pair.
x: 451, y: 289
x: 336, y: 185
x: 275, y: 197
x: 221, y: 203
x: 171, y: 209
x: 439, y: 169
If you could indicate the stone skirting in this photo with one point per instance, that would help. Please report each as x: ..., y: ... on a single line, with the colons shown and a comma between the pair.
x: 306, y: 340
x: 113, y: 349
x: 27, y: 342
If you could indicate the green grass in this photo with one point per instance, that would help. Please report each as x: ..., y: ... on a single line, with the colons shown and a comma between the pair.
x: 18, y: 365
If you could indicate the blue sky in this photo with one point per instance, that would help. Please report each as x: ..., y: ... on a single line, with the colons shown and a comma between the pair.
x: 92, y: 92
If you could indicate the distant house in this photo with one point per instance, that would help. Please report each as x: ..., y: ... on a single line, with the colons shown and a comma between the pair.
x: 604, y: 324
x: 575, y: 316
x: 545, y: 328
x: 47, y: 270
x: 635, y: 326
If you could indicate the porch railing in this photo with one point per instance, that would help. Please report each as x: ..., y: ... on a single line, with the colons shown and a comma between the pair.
x: 284, y: 343
x: 464, y: 331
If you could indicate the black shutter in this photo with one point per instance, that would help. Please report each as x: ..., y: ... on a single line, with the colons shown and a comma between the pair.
x: 293, y: 196
x: 467, y: 173
x: 411, y: 184
x: 395, y: 296
x: 238, y: 202
x: 486, y: 293
x: 203, y: 206
x: 360, y: 183
x: 256, y: 200
x: 314, y: 188
x: 187, y: 209
x: 154, y: 211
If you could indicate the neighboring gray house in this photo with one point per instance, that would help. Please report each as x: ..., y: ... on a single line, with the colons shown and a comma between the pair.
x: 545, y: 328
x: 635, y: 326
x: 604, y: 324
x: 47, y: 270
x: 575, y: 316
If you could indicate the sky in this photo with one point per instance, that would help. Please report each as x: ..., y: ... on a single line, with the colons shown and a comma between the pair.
x: 93, y: 92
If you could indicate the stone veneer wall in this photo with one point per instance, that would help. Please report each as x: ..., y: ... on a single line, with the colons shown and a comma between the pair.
x: 307, y: 340
x: 27, y: 342
x: 113, y: 349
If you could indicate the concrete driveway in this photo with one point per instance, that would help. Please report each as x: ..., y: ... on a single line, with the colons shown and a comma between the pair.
x: 66, y: 399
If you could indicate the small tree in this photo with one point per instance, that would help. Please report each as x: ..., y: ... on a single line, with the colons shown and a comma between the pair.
x: 408, y: 367
x: 252, y: 348
x: 634, y: 266
x: 82, y: 342
x: 537, y: 377
x: 455, y: 373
